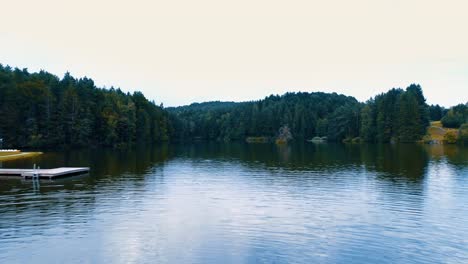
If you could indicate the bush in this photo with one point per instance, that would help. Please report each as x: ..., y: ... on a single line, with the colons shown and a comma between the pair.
x: 463, y: 134
x: 257, y: 139
x: 456, y: 116
x: 427, y: 139
x: 347, y: 140
x: 451, y: 137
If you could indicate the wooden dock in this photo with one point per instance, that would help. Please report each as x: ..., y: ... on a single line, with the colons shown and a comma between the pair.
x: 42, y: 173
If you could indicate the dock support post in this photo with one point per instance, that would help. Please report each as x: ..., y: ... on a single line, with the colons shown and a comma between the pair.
x: 35, y: 174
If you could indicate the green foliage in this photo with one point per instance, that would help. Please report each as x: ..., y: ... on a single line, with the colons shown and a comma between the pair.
x: 321, y: 128
x: 387, y: 119
x: 368, y: 127
x: 463, y: 134
x: 306, y: 114
x: 344, y: 122
x: 451, y: 137
x: 436, y: 112
x: 456, y: 116
x: 41, y: 110
x: 257, y: 140
x: 401, y: 115
x: 409, y: 118
x: 396, y: 115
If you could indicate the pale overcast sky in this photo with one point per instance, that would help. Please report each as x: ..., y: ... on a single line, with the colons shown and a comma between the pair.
x: 181, y: 51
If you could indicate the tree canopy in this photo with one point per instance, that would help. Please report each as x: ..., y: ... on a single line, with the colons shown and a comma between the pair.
x: 41, y: 110
x: 398, y: 115
x: 456, y: 116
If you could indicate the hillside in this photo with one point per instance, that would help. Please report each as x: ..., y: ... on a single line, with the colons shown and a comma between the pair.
x: 205, y: 106
x: 437, y: 134
x: 398, y: 115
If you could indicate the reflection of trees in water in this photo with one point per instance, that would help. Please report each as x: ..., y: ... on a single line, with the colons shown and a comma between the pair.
x: 104, y: 163
x: 395, y: 172
x: 291, y: 156
x: 398, y: 161
x: 284, y: 152
x: 454, y: 154
x: 393, y: 163
x: 74, y: 199
x: 405, y: 160
x: 135, y: 161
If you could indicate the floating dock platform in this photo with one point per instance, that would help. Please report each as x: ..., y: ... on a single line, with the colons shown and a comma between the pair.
x: 43, y: 173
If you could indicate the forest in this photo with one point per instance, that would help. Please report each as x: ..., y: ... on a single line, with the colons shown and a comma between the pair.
x: 40, y: 110
x: 398, y: 115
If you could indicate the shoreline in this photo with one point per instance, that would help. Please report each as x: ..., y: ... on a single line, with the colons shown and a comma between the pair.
x: 18, y: 155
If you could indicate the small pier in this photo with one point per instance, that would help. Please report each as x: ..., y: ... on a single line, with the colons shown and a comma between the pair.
x: 42, y: 173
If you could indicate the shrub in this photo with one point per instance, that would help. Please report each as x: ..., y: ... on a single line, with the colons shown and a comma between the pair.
x: 463, y: 134
x: 456, y: 116
x: 451, y: 137
x: 257, y: 139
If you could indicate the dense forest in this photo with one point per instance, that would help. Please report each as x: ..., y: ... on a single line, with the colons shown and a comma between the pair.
x: 398, y: 115
x: 41, y: 110
x: 306, y: 114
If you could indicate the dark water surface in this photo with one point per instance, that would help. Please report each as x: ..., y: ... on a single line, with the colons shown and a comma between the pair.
x: 238, y: 203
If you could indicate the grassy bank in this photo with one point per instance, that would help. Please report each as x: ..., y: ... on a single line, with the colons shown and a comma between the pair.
x: 437, y: 134
x: 17, y: 155
x: 8, y: 152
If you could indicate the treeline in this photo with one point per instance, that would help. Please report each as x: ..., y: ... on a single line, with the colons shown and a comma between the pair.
x: 455, y: 116
x: 398, y: 115
x: 41, y: 110
x: 306, y: 114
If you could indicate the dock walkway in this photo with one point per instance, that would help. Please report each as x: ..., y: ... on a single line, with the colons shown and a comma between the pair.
x: 43, y: 173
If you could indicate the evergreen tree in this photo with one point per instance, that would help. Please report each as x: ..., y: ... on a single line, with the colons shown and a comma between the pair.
x: 41, y: 110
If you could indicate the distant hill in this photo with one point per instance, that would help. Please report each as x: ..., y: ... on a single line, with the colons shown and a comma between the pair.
x: 304, y: 113
x: 205, y: 106
x: 398, y: 115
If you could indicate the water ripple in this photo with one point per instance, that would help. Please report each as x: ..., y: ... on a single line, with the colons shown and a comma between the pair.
x: 211, y: 210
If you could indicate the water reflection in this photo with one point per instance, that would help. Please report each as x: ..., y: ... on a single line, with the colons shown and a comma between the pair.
x: 211, y: 203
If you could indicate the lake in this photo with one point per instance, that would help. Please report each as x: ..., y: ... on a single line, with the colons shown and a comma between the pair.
x: 241, y: 203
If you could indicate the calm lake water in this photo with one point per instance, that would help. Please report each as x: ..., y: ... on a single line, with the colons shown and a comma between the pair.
x: 239, y: 203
